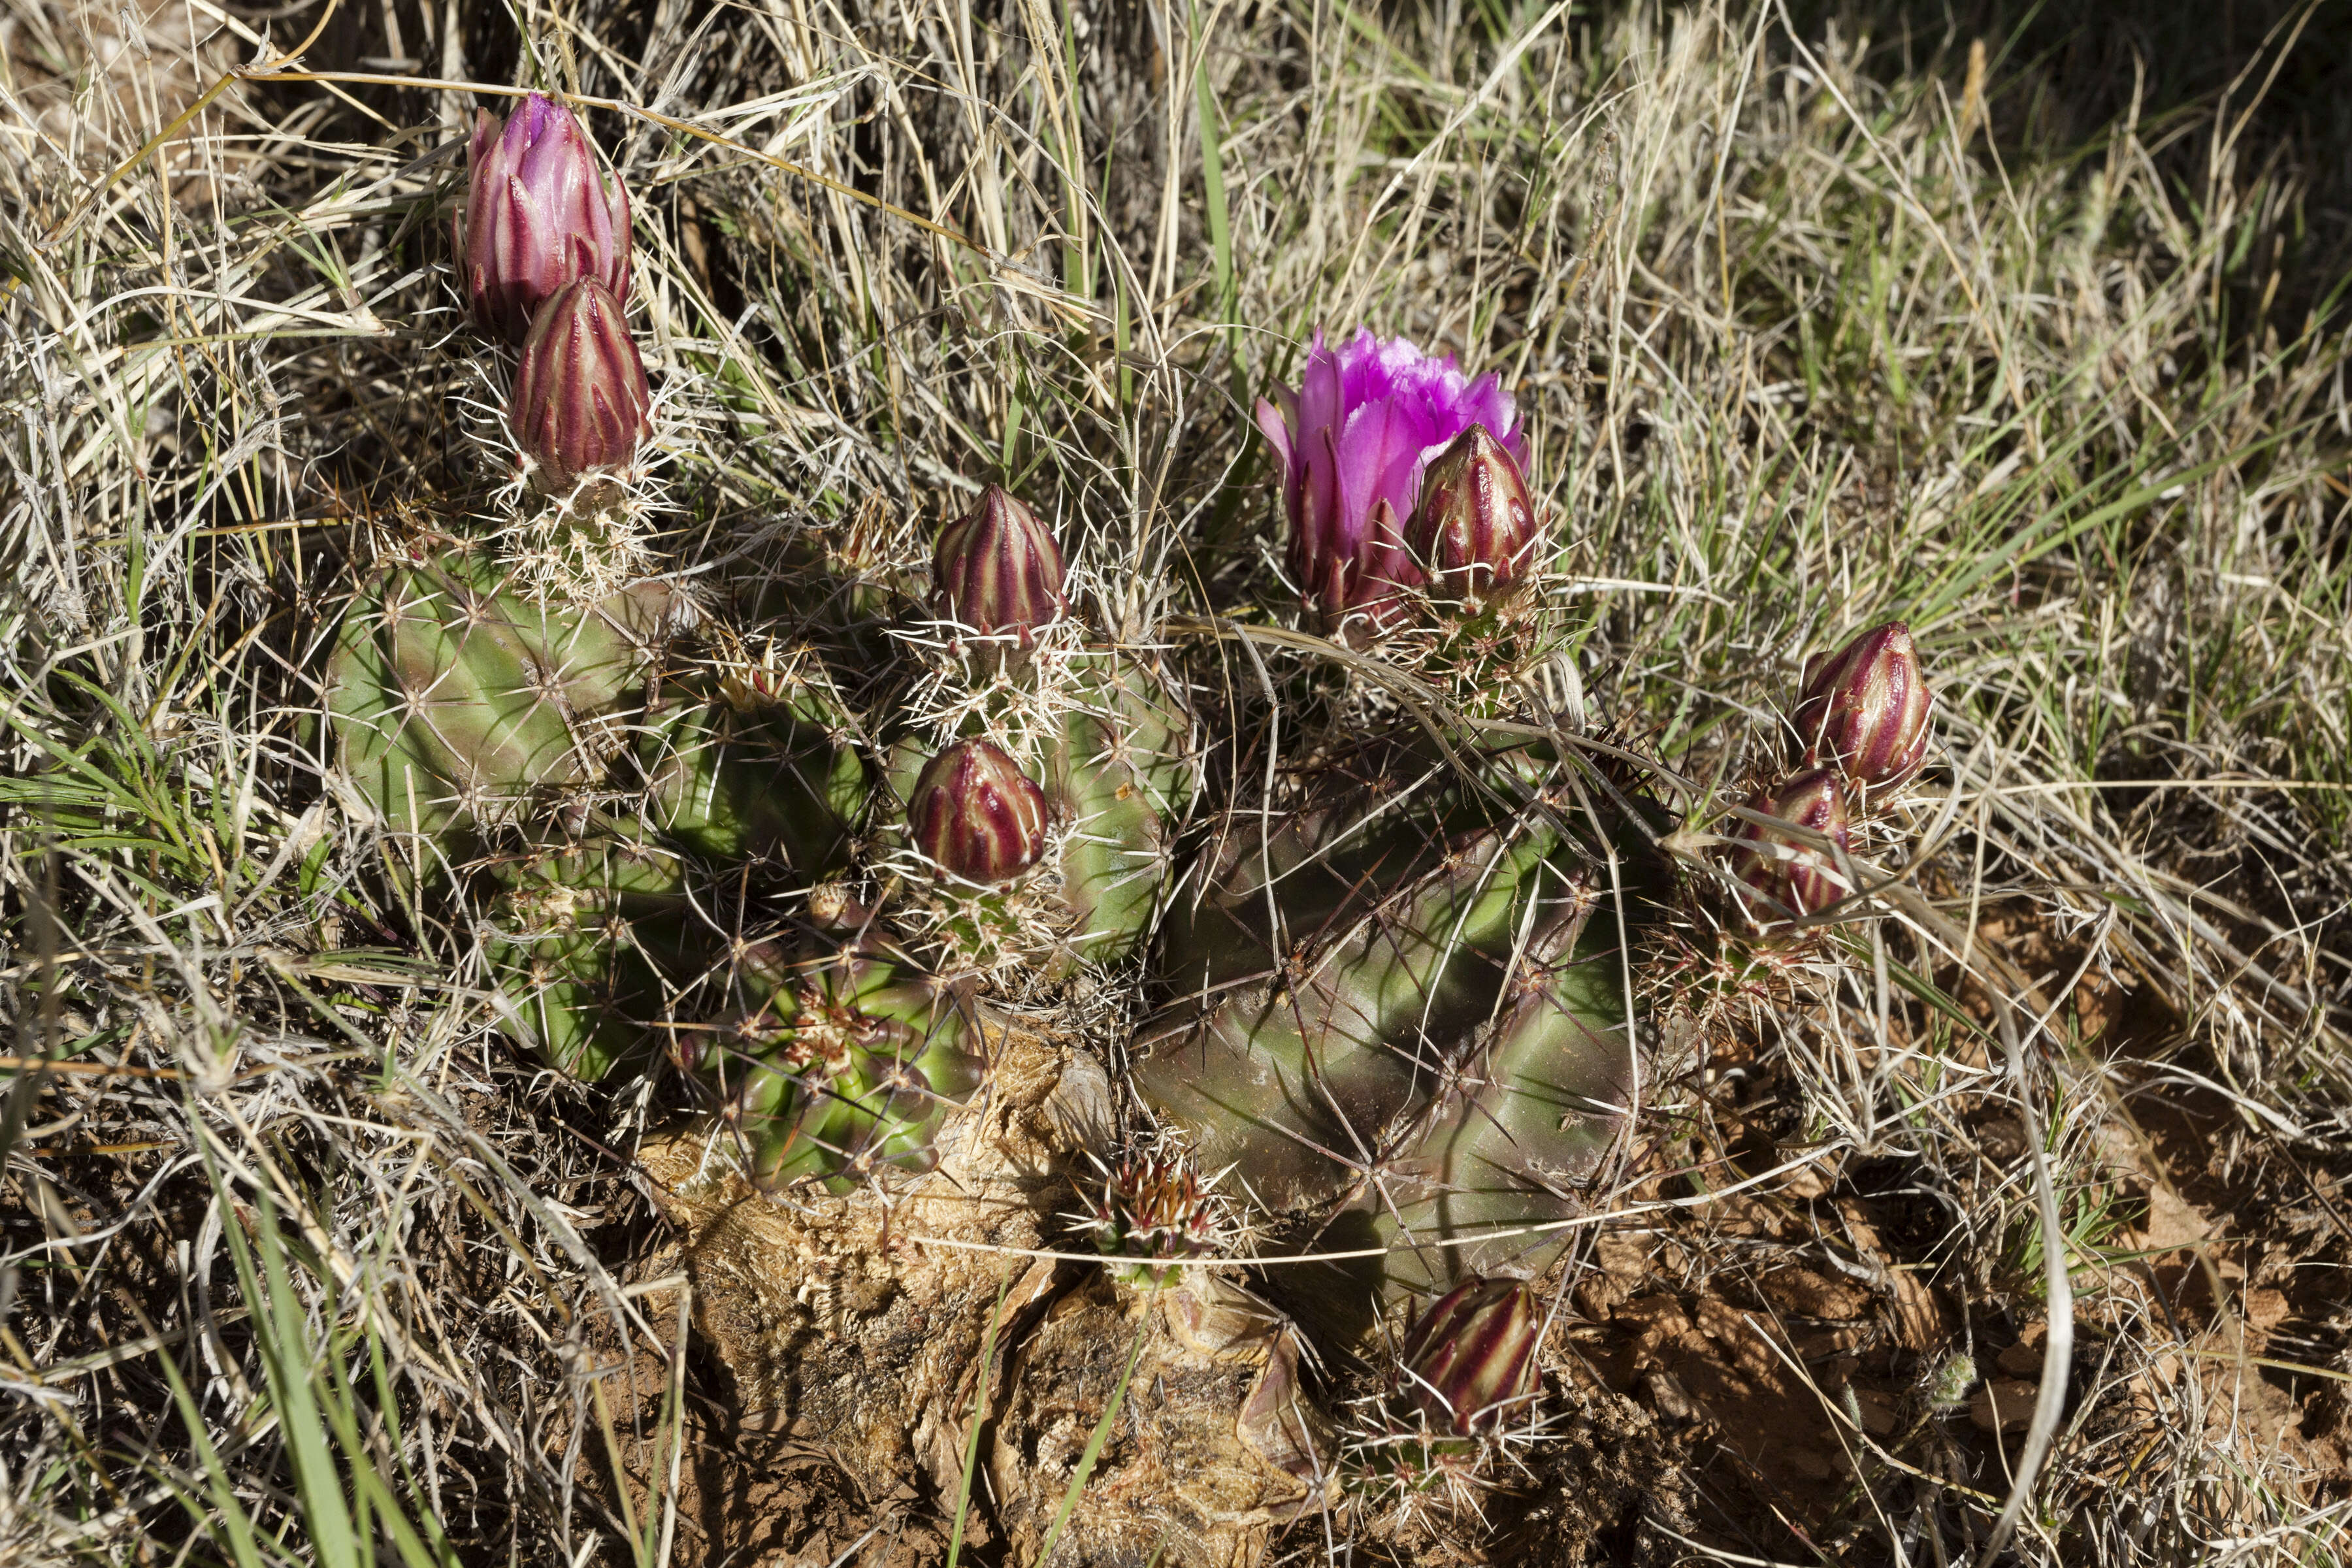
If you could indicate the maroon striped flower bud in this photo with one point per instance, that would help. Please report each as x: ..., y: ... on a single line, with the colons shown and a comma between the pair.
x: 1472, y: 1356
x: 997, y: 568
x: 977, y: 816
x: 580, y: 400
x: 1865, y: 708
x: 1800, y: 876
x: 537, y: 217
x: 1474, y: 531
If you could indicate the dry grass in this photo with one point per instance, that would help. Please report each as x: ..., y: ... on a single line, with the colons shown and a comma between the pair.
x: 1814, y: 321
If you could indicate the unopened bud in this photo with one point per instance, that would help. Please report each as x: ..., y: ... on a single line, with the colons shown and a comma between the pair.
x: 581, y: 402
x: 1865, y: 708
x: 536, y: 216
x: 1474, y: 528
x: 977, y: 816
x: 997, y: 568
x: 1472, y: 1355
x: 1152, y: 1210
x: 1801, y: 876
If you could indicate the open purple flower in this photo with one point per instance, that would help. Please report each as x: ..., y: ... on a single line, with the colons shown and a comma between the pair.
x: 1366, y: 419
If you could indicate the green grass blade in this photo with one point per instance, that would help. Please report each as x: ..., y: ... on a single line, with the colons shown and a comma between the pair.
x: 979, y: 1409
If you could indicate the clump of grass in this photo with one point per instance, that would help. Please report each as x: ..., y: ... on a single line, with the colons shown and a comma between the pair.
x: 1816, y: 321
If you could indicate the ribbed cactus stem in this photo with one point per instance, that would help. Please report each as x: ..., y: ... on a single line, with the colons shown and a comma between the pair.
x: 770, y: 775
x: 456, y: 700
x: 579, y: 940
x: 1291, y: 1052
x: 1522, y: 1121
x: 840, y: 1067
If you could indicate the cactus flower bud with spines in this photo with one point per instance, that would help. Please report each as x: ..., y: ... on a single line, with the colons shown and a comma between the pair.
x: 1152, y: 1210
x: 1804, y: 878
x: 977, y: 816
x: 581, y: 402
x: 998, y: 569
x: 1353, y: 440
x: 537, y: 217
x: 1474, y: 530
x: 1472, y: 1355
x: 1865, y: 708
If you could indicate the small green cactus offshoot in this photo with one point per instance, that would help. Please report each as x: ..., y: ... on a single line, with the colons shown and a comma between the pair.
x: 582, y: 941
x: 839, y: 1066
x: 760, y: 771
x: 1151, y: 1211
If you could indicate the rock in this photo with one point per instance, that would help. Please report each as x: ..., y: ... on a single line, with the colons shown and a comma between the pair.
x: 2003, y: 1405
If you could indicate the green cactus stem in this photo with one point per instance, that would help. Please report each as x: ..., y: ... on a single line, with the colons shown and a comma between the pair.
x: 840, y: 1066
x: 1324, y: 984
x: 774, y: 776
x: 459, y: 702
x: 1119, y: 776
x: 586, y: 943
x: 1521, y: 1124
x: 1397, y: 1037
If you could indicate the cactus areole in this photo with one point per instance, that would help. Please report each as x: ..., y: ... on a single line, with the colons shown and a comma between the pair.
x: 537, y: 217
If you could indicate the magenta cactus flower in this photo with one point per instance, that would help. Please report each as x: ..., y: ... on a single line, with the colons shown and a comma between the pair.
x: 537, y: 216
x: 976, y: 816
x: 1354, y: 439
x: 1865, y: 708
x: 581, y: 402
x: 1804, y: 877
x: 997, y: 568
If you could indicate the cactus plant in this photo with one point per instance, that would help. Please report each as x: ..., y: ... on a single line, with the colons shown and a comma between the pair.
x: 837, y: 1064
x: 459, y: 701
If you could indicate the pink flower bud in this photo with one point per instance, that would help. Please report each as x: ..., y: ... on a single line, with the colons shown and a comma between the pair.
x: 1474, y: 528
x: 1794, y: 876
x: 977, y: 816
x: 580, y: 400
x: 1472, y: 1355
x: 1865, y: 708
x: 997, y: 568
x: 536, y: 216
